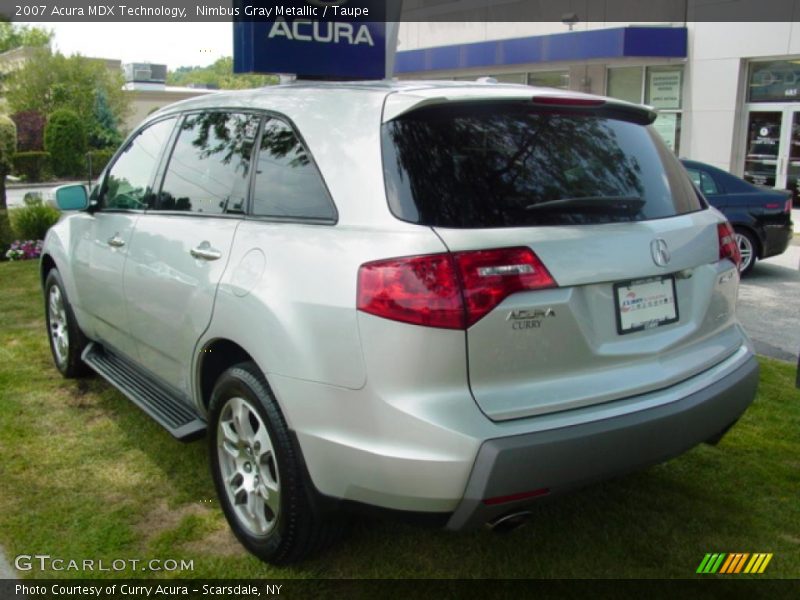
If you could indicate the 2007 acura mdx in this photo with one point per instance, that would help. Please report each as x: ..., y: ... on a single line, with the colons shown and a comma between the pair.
x: 441, y: 298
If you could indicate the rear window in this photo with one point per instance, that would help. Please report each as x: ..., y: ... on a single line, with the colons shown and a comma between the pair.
x: 514, y: 165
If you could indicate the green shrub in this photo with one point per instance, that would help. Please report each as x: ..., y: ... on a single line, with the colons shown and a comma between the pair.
x: 65, y: 140
x: 8, y: 146
x: 33, y: 166
x: 8, y: 143
x: 99, y: 160
x: 32, y: 221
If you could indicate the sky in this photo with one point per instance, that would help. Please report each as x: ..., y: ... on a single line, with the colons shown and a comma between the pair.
x: 173, y: 44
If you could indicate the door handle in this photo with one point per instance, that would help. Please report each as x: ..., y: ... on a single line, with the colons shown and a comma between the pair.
x: 205, y: 252
x: 115, y: 241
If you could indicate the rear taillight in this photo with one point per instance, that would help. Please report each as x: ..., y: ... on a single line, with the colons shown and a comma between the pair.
x: 786, y: 206
x: 489, y: 276
x: 451, y: 291
x: 422, y: 290
x: 728, y: 248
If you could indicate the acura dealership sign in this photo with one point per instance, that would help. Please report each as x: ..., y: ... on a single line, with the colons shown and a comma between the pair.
x: 343, y: 39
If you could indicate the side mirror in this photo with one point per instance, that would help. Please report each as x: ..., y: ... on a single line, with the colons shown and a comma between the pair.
x: 72, y: 197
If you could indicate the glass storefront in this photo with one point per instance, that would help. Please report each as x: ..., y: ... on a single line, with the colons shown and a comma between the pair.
x: 660, y: 87
x: 774, y: 81
x: 772, y: 150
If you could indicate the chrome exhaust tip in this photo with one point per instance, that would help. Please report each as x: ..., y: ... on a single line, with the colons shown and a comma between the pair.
x: 509, y: 522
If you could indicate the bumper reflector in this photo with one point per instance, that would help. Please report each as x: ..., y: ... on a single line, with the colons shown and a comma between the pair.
x: 515, y: 497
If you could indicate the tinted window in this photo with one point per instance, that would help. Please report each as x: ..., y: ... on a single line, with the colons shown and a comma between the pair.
x: 287, y: 181
x: 209, y: 168
x: 128, y: 180
x: 509, y: 164
x: 703, y: 181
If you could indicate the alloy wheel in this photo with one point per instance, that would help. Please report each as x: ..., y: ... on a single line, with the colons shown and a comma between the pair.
x: 248, y: 466
x: 59, y: 331
x: 746, y: 250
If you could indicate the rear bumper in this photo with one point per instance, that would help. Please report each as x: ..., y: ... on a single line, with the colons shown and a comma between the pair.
x: 565, y: 458
x: 777, y: 239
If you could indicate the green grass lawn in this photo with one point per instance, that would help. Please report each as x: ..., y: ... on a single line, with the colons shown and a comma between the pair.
x: 85, y: 474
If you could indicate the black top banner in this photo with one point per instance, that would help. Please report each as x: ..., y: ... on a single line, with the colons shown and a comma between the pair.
x: 566, y: 11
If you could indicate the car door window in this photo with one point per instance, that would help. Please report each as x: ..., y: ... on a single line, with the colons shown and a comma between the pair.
x: 127, y: 185
x: 703, y: 180
x: 288, y: 184
x: 209, y: 168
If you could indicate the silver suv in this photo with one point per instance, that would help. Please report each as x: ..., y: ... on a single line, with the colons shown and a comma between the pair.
x: 446, y: 300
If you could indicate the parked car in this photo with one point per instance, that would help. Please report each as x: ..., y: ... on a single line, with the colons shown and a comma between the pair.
x: 445, y: 300
x: 761, y: 217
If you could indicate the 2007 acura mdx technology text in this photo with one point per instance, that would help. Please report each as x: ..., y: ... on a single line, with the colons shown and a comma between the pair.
x: 445, y: 299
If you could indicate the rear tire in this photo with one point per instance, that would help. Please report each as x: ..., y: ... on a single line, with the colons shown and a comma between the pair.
x: 67, y: 341
x: 748, y: 248
x: 258, y: 474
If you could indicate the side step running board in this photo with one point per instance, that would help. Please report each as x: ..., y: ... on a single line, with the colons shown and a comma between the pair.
x: 167, y: 410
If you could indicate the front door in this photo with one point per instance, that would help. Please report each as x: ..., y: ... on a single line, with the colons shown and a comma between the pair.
x: 772, y: 155
x: 102, y: 237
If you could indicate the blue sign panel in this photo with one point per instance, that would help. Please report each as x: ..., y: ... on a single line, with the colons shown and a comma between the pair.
x: 624, y: 42
x: 311, y: 39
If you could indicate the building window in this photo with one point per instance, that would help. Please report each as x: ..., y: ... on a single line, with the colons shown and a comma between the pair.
x: 625, y: 83
x: 774, y: 81
x: 554, y: 79
x: 663, y: 87
x: 660, y: 87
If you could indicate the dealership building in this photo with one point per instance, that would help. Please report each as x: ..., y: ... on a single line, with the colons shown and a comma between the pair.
x: 727, y: 93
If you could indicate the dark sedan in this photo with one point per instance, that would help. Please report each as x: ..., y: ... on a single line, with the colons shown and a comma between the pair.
x: 762, y: 217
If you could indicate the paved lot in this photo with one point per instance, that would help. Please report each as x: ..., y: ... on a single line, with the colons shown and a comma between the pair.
x: 769, y: 303
x: 15, y: 195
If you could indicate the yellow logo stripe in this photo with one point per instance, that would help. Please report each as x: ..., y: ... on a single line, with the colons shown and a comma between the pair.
x: 765, y: 563
x: 754, y: 562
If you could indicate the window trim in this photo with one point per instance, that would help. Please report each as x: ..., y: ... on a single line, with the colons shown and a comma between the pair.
x: 101, y: 187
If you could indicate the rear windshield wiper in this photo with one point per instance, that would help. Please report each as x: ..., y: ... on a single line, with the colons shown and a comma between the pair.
x: 631, y: 204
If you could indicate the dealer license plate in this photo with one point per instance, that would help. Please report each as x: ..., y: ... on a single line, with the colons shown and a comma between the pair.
x: 645, y: 303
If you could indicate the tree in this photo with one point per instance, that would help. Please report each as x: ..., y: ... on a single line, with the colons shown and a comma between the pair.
x: 51, y: 81
x: 65, y: 140
x: 104, y: 132
x: 8, y: 146
x: 219, y: 75
x: 13, y: 35
x: 30, y: 130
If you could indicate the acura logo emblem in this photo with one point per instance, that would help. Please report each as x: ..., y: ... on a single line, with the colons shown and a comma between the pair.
x: 660, y: 252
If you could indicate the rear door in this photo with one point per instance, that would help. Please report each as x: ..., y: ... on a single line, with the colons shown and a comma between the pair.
x: 180, y: 250
x: 636, y: 296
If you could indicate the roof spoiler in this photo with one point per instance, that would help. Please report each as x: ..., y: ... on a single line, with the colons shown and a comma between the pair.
x: 399, y: 104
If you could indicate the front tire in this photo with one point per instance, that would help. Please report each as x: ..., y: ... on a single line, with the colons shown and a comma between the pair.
x: 67, y: 342
x: 748, y: 248
x: 257, y: 473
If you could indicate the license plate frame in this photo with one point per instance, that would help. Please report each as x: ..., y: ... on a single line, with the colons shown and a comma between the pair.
x: 655, y: 299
